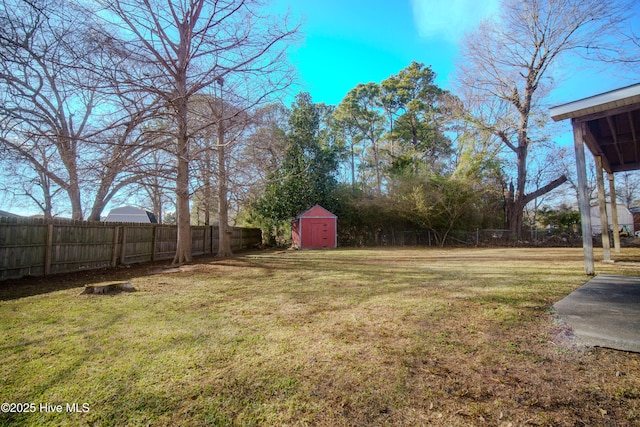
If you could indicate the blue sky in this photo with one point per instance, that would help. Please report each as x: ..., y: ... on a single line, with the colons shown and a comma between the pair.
x: 346, y: 42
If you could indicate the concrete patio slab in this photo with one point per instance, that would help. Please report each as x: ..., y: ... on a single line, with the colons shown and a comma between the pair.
x: 605, y: 312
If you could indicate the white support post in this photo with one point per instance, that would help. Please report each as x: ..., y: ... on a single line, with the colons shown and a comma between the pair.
x: 585, y: 215
x: 602, y: 203
x: 614, y: 213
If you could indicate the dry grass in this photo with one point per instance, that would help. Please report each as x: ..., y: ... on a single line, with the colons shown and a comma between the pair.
x: 346, y: 337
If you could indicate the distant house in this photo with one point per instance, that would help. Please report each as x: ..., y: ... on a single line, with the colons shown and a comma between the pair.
x: 625, y: 218
x: 315, y: 229
x: 635, y: 211
x: 9, y: 214
x: 131, y: 214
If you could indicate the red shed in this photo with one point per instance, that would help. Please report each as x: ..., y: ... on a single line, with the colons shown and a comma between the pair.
x: 315, y: 229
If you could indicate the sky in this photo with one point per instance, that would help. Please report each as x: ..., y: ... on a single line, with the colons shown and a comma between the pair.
x: 346, y: 42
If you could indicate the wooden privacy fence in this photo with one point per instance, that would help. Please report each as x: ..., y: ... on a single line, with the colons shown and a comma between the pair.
x: 34, y: 247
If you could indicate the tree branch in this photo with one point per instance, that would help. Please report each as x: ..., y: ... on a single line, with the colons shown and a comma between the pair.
x: 544, y: 190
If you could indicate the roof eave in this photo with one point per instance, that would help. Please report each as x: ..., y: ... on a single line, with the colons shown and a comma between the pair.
x: 598, y: 103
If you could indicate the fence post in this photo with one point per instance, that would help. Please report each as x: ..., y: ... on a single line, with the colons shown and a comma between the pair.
x: 214, y: 249
x: 114, y: 249
x: 123, y: 248
x: 154, y: 238
x: 48, y: 251
x: 204, y: 240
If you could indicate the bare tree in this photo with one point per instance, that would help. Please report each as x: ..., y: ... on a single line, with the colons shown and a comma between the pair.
x: 231, y: 122
x: 566, y: 162
x: 56, y: 116
x: 42, y: 107
x: 628, y: 188
x: 261, y: 151
x: 156, y: 174
x: 507, y: 67
x: 115, y: 162
x: 176, y: 49
x: 24, y: 182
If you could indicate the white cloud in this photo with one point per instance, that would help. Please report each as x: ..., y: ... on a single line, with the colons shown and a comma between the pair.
x: 450, y: 19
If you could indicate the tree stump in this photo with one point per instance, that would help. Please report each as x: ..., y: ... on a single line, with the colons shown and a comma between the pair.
x: 108, y: 288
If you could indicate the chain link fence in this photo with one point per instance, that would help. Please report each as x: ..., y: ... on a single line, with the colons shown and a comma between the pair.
x: 457, y: 238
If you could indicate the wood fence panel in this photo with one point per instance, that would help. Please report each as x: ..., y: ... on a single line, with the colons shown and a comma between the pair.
x: 22, y: 248
x: 215, y: 238
x: 198, y: 240
x: 36, y: 247
x: 236, y: 240
x: 80, y: 246
x: 139, y: 244
x: 166, y: 241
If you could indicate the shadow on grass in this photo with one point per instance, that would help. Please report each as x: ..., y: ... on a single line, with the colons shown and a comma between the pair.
x: 412, y: 270
x: 61, y: 374
x: 30, y: 286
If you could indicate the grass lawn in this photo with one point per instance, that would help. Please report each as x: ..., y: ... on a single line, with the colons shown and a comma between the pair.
x: 348, y: 337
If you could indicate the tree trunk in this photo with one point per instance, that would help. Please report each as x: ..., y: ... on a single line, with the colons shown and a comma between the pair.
x: 353, y: 168
x: 68, y: 156
x: 101, y: 199
x: 183, y: 248
x: 377, y: 167
x: 517, y: 203
x: 180, y: 103
x: 515, y: 218
x: 183, y: 215
x: 47, y: 206
x: 224, y: 239
x: 96, y: 210
x: 156, y: 200
x: 206, y: 182
x: 74, y: 197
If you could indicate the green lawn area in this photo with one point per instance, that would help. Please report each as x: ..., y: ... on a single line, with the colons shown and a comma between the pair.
x: 338, y: 338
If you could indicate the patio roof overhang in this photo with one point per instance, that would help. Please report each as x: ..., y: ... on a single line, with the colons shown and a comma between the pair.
x: 609, y: 125
x: 612, y: 126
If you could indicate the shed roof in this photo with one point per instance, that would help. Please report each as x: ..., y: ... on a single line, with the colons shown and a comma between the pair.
x: 316, y: 212
x: 130, y: 214
x: 612, y: 125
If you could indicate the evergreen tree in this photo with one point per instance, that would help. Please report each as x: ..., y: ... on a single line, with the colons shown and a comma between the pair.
x: 307, y: 175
